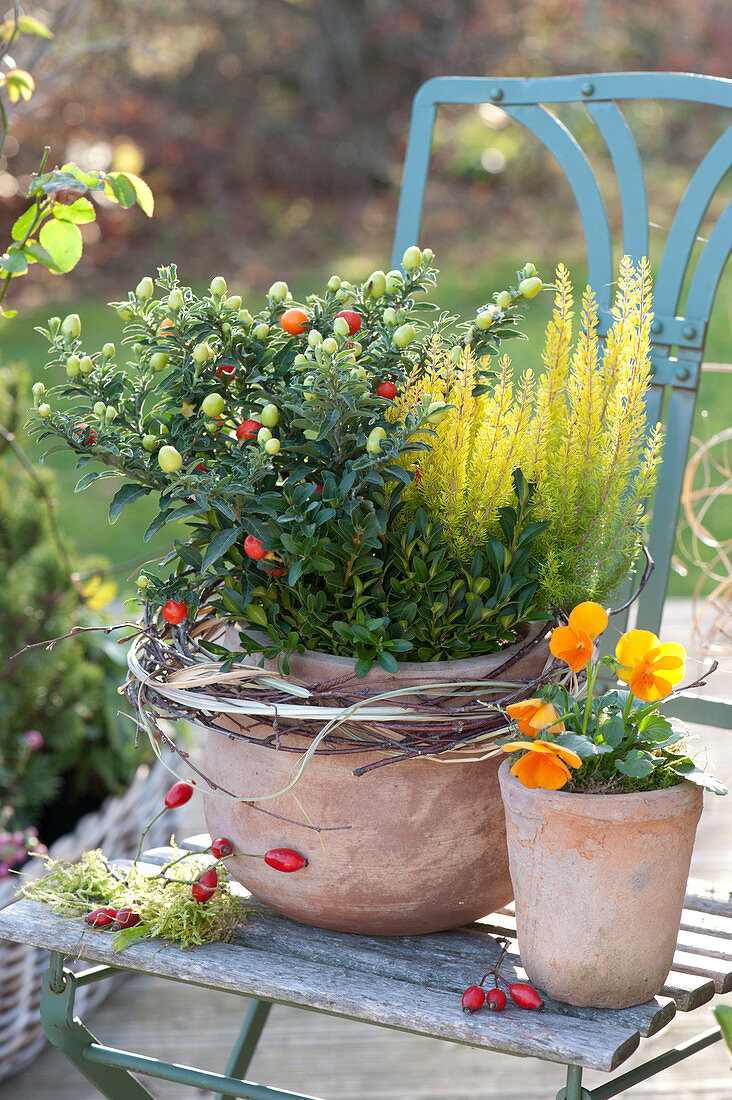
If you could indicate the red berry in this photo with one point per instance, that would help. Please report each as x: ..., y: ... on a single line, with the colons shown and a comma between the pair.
x: 495, y: 1000
x: 387, y: 389
x: 227, y: 367
x: 473, y: 998
x: 221, y: 847
x: 284, y: 859
x: 274, y: 571
x: 102, y: 917
x: 525, y: 996
x: 85, y: 435
x: 178, y: 795
x: 253, y: 548
x: 127, y: 918
x: 201, y: 894
x: 205, y: 888
x: 200, y: 468
x: 294, y: 321
x: 319, y: 490
x: 354, y: 321
x: 174, y: 612
x: 248, y: 429
x: 165, y: 326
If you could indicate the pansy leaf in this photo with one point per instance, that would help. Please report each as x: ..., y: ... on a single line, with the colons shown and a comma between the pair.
x: 576, y: 742
x: 636, y: 764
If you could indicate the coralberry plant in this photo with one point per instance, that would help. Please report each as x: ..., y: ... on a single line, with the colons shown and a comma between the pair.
x: 276, y: 437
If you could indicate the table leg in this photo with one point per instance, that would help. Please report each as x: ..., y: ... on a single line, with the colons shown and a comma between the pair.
x: 72, y: 1038
x: 574, y: 1090
x: 246, y: 1044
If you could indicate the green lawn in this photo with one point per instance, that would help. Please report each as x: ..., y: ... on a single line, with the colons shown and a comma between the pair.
x: 83, y: 516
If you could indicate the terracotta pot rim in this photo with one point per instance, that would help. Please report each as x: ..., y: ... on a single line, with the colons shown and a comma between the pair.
x: 643, y: 805
x: 533, y: 631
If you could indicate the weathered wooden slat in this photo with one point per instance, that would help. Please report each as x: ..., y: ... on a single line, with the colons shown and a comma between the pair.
x: 710, y: 923
x: 341, y: 992
x: 702, y: 942
x: 706, y: 897
x: 443, y: 960
x: 689, y: 991
x: 719, y: 971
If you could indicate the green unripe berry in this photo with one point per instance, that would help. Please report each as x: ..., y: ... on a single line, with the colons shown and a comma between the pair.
x: 71, y: 326
x: 234, y: 302
x: 264, y: 435
x: 125, y: 311
x: 376, y: 284
x: 72, y: 366
x: 389, y: 316
x: 278, y: 291
x: 330, y: 346
x: 245, y: 318
x: 359, y: 374
x: 143, y: 581
x: 272, y: 446
x: 530, y: 287
x: 373, y: 443
x: 38, y: 389
x: 315, y: 338
x: 455, y: 353
x: 212, y: 405
x: 484, y: 320
x: 529, y: 270
x: 394, y: 279
x: 150, y: 442
x: 260, y: 331
x: 345, y: 295
x: 169, y: 459
x: 110, y: 414
x: 145, y: 289
x: 212, y: 425
x: 108, y: 351
x: 428, y: 255
x: 175, y: 298
x: 218, y: 286
x: 269, y: 416
x: 44, y: 410
x: 341, y: 327
x: 503, y: 300
x: 412, y: 258
x: 99, y: 409
x: 86, y: 364
x: 226, y: 328
x: 201, y: 353
x: 159, y: 360
x: 404, y: 335
x: 300, y: 360
x: 334, y: 283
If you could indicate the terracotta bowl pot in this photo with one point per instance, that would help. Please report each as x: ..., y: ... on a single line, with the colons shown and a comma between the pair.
x: 416, y: 846
x: 599, y: 881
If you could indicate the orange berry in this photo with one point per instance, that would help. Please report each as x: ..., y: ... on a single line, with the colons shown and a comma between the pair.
x: 294, y: 321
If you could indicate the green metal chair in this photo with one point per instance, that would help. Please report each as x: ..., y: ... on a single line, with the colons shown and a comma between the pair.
x: 676, y: 376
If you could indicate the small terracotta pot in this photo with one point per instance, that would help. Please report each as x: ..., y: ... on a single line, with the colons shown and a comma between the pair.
x: 599, y: 882
x: 418, y: 845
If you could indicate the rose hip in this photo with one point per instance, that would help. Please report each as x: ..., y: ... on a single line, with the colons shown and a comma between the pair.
x: 525, y: 996
x: 495, y: 1000
x: 102, y: 917
x: 221, y: 847
x: 284, y: 859
x: 127, y: 918
x: 473, y: 998
x: 178, y: 795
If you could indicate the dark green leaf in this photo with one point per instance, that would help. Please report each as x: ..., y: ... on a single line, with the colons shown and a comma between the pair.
x: 124, y: 496
x: 218, y: 545
x: 14, y: 262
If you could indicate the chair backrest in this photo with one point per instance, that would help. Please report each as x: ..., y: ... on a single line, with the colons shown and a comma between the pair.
x: 676, y: 375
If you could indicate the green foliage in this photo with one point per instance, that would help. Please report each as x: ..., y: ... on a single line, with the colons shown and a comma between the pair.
x: 164, y: 904
x: 317, y: 480
x: 69, y: 693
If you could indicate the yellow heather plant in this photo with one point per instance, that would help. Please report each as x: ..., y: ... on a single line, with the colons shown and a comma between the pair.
x: 578, y: 433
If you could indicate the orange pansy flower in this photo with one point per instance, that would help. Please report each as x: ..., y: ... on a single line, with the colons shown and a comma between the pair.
x: 573, y: 643
x: 533, y: 715
x: 649, y: 668
x: 544, y: 765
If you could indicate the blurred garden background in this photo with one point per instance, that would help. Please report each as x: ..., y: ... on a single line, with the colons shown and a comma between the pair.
x: 272, y: 133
